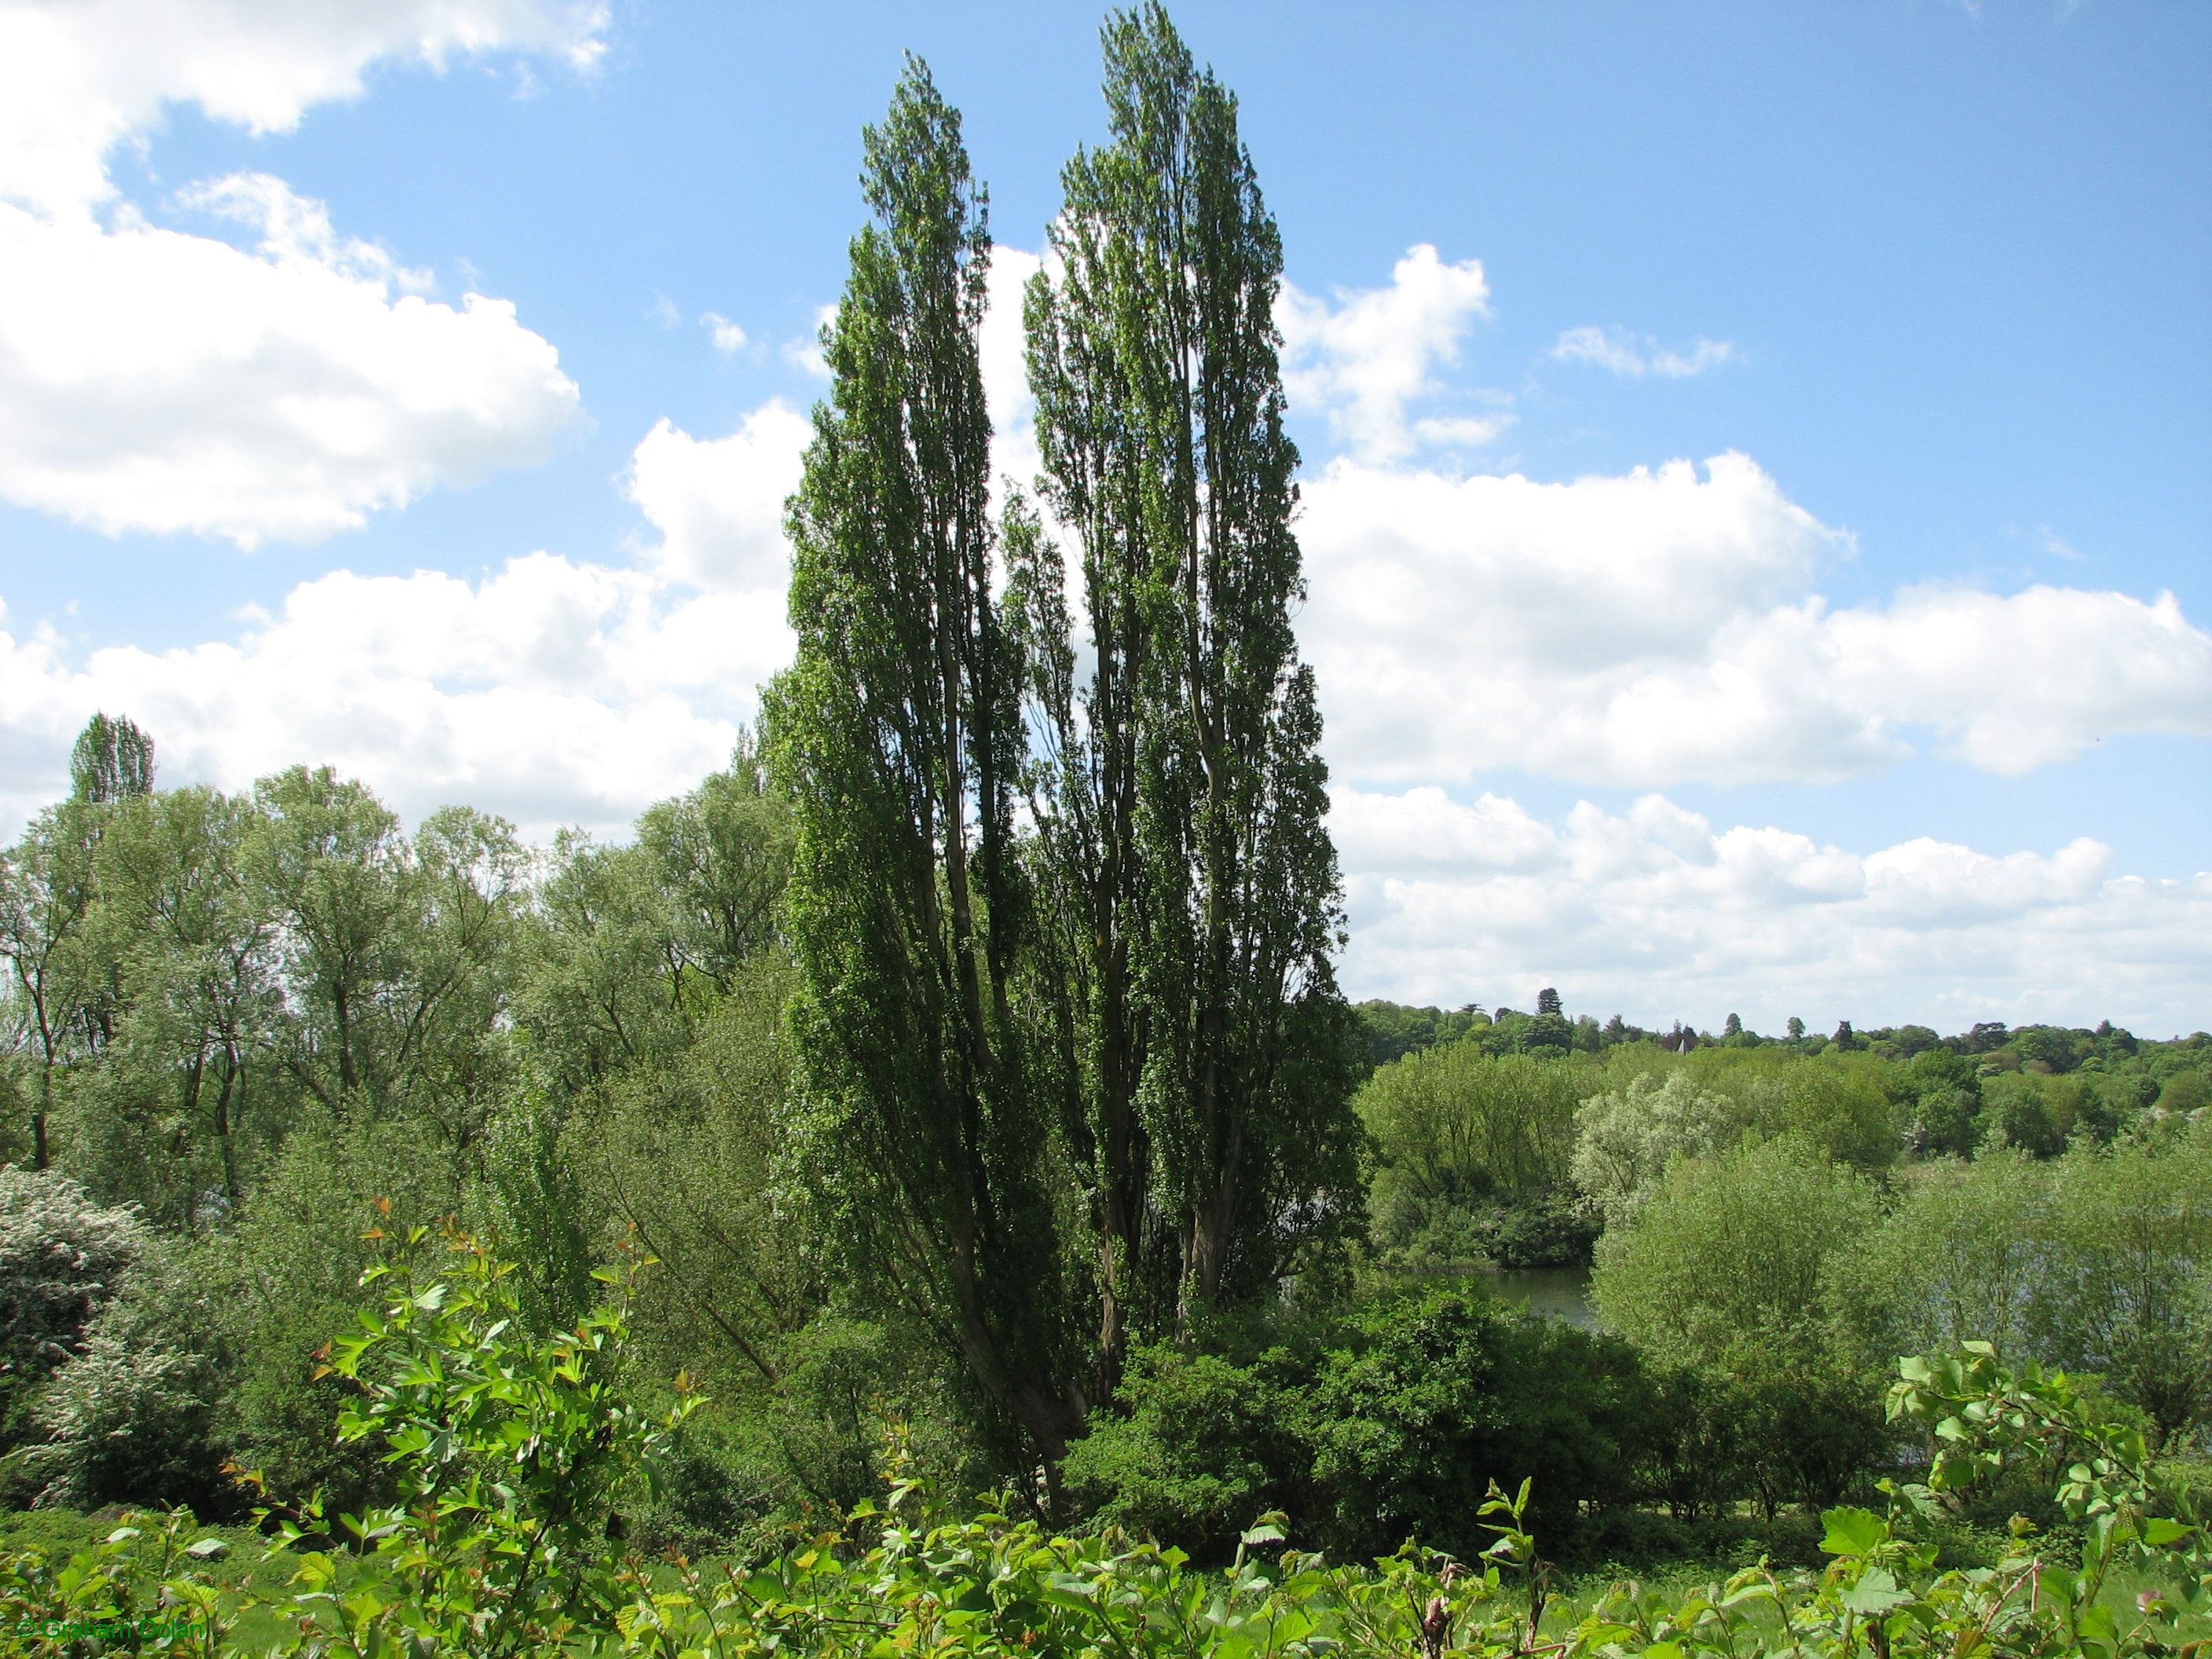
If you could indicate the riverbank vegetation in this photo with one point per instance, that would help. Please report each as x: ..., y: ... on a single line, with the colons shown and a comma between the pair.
x: 925, y: 1189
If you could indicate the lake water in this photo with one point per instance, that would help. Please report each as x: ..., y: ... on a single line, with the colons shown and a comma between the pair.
x: 1555, y: 1292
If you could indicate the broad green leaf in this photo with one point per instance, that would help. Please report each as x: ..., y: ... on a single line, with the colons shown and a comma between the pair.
x: 1852, y: 1532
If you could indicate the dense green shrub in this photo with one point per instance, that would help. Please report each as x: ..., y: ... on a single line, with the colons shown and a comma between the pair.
x: 536, y: 1562
x: 1200, y: 1444
x: 1368, y: 1431
x: 1471, y: 1155
x: 1440, y: 1393
x: 289, y: 1274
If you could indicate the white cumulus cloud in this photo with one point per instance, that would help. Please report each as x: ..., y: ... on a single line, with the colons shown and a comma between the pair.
x: 1364, y: 356
x: 1664, y: 625
x: 554, y: 692
x: 155, y: 380
x: 78, y: 77
x: 1655, y: 915
x: 803, y: 352
x: 718, y: 502
x: 729, y: 339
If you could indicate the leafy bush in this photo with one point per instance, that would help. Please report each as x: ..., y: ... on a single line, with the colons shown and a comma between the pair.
x: 901, y: 1580
x: 513, y: 1457
x: 289, y: 1274
x: 1552, y: 1228
x: 1734, y: 1253
x: 130, y: 1419
x: 1367, y: 1431
x: 1201, y: 1445
x: 62, y: 1257
x: 1438, y: 1394
x: 126, y: 1423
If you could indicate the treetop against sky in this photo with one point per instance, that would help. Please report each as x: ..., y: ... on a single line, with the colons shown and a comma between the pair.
x: 1755, y: 514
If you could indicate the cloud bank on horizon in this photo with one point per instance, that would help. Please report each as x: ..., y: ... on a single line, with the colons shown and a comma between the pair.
x: 1649, y: 630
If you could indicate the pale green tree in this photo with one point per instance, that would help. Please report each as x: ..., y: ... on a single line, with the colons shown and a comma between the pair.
x: 1626, y: 1141
x: 1454, y: 1126
x: 331, y: 866
x: 46, y: 887
x: 1733, y: 1253
x: 392, y: 951
x: 1961, y: 1257
x: 113, y: 760
x: 720, y: 856
x: 449, y: 1055
x: 600, y: 988
x: 189, y: 946
x: 2127, y: 1291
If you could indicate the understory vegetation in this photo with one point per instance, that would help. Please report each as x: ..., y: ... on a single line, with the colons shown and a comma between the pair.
x: 553, y: 1263
x: 924, y: 1189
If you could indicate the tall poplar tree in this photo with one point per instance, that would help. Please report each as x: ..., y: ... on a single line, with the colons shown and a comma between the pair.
x: 1181, y: 795
x: 113, y: 760
x: 897, y: 735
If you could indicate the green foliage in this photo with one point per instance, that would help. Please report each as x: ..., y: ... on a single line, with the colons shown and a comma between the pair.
x: 1201, y: 1443
x: 481, y: 1568
x: 132, y: 1416
x: 279, y: 1284
x: 1940, y: 1094
x: 2099, y: 1260
x: 1983, y: 1416
x: 720, y: 856
x: 47, y: 891
x: 686, y: 1154
x: 174, y: 1115
x: 512, y: 1453
x: 1366, y: 1429
x: 2129, y: 1238
x: 1391, y: 1030
x: 629, y: 948
x: 112, y: 760
x: 1958, y: 1258
x: 1444, y: 1390
x: 1472, y: 1156
x: 63, y: 1258
x: 1625, y: 1143
x: 1734, y: 1253
x: 897, y: 735
x: 1179, y: 796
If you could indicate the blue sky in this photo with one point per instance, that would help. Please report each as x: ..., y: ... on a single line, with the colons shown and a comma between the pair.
x: 1881, y: 715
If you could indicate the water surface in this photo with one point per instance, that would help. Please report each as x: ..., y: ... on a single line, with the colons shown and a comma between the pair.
x: 1554, y: 1292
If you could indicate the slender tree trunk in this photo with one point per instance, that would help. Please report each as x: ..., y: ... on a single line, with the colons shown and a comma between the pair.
x: 222, y: 1099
